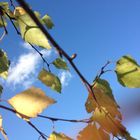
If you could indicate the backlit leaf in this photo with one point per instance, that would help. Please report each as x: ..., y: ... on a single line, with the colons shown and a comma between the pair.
x: 104, y: 97
x: 58, y: 136
x: 60, y: 64
x: 128, y: 72
x: 47, y: 21
x: 91, y: 132
x: 2, y: 130
x: 4, y: 64
x: 29, y: 30
x: 30, y: 102
x: 50, y: 80
x: 110, y: 124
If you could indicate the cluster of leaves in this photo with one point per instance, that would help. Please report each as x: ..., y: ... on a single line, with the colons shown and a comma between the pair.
x: 106, y: 117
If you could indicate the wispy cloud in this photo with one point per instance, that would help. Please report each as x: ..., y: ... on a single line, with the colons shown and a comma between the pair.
x: 24, y: 69
x: 65, y: 77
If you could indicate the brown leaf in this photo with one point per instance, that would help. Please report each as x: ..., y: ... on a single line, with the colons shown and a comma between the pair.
x: 103, y: 100
x: 91, y: 132
x: 110, y: 124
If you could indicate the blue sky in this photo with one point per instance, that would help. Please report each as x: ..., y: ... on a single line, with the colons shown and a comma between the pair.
x: 97, y: 30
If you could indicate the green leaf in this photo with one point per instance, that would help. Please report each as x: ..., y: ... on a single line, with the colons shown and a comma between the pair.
x: 4, y: 64
x: 29, y: 30
x: 128, y: 72
x: 47, y: 21
x: 60, y: 64
x: 58, y: 136
x: 50, y: 80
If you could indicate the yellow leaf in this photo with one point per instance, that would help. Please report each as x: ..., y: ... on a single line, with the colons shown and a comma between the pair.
x: 58, y: 136
x: 91, y: 132
x: 110, y: 124
x: 103, y: 100
x: 30, y: 103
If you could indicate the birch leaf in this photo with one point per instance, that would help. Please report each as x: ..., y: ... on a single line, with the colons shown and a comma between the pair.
x: 50, y: 80
x: 91, y: 132
x: 60, y: 64
x: 30, y: 102
x: 104, y: 97
x: 128, y: 72
x: 110, y: 124
x: 47, y: 21
x: 30, y: 32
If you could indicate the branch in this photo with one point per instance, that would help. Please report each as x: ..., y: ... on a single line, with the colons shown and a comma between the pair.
x: 53, y: 42
x: 47, y: 117
x: 57, y: 47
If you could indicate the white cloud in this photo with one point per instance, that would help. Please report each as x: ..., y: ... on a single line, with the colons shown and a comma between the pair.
x: 23, y: 70
x: 65, y: 77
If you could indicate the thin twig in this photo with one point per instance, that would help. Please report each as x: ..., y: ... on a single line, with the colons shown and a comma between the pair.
x: 12, y: 4
x: 102, y: 71
x: 41, y: 55
x: 41, y: 134
x: 66, y: 120
x: 33, y: 126
x: 13, y: 24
